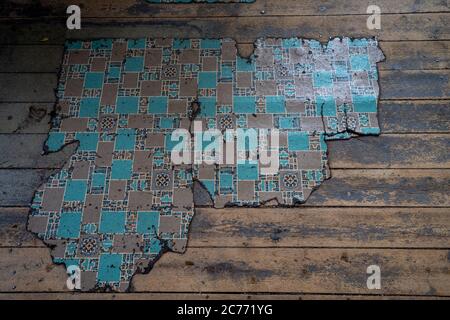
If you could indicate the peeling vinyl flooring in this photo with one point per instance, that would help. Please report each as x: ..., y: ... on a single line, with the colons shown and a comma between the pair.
x: 119, y: 203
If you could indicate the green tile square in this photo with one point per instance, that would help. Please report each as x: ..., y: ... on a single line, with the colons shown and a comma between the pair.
x: 148, y: 222
x: 207, y: 80
x: 75, y: 190
x: 93, y: 80
x: 69, y: 225
x: 248, y: 171
x: 298, y: 141
x: 121, y: 169
x: 244, y: 104
x: 109, y: 267
x: 112, y: 222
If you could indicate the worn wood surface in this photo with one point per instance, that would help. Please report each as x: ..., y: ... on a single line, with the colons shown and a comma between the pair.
x: 142, y: 9
x: 401, y: 27
x: 405, y: 55
x: 347, y: 187
x: 249, y: 270
x: 426, y: 151
x: 395, y: 116
x: 25, y: 117
x: 412, y: 84
x: 290, y: 227
x: 31, y: 58
x: 414, y: 116
x: 203, y: 296
x: 388, y: 201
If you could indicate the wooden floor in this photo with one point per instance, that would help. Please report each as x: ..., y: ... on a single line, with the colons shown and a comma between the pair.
x: 388, y: 202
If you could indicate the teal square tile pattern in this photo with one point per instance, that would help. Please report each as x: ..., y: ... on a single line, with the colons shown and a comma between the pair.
x: 112, y: 222
x: 109, y: 268
x: 148, y: 222
x: 69, y: 225
x: 120, y: 202
x: 121, y: 169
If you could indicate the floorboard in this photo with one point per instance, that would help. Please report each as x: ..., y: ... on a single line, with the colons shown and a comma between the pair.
x: 401, y: 27
x: 141, y: 9
x: 427, y: 151
x: 347, y: 187
x: 296, y: 227
x: 394, y: 85
x: 386, y: 204
x: 250, y: 270
x: 395, y: 116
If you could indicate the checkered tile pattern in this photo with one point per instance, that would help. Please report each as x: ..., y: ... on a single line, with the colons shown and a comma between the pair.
x: 120, y: 202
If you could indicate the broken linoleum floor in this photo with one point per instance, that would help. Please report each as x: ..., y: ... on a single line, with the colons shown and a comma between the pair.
x: 120, y: 202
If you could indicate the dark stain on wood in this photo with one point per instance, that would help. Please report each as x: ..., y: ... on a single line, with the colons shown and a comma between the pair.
x: 237, y: 271
x: 31, y: 9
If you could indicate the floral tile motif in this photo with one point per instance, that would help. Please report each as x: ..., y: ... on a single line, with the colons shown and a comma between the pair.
x: 120, y: 201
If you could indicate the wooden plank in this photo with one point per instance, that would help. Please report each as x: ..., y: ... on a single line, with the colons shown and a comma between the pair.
x: 394, y: 116
x: 18, y: 186
x: 415, y: 55
x: 384, y: 187
x: 429, y: 84
x: 28, y: 87
x: 13, y: 230
x: 298, y: 227
x: 404, y: 55
x: 199, y: 296
x: 368, y: 187
x: 32, y: 32
x: 142, y: 9
x: 299, y: 270
x: 30, y: 58
x: 395, y: 27
x: 321, y: 227
x: 28, y: 152
x: 391, y: 151
x: 25, y: 117
x: 251, y: 270
x: 414, y: 116
x: 426, y: 151
x: 426, y: 26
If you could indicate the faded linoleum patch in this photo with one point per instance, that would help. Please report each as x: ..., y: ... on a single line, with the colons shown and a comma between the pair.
x: 120, y: 202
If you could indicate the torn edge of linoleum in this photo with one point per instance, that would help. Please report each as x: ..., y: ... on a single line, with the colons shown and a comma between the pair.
x: 345, y: 132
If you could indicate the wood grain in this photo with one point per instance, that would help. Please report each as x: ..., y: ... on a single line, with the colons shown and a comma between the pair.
x: 430, y: 84
x: 297, y: 227
x: 415, y: 55
x: 391, y: 151
x: 395, y: 27
x: 30, y: 58
x: 143, y: 9
x: 25, y: 117
x: 397, y: 218
x: 249, y: 270
x: 28, y: 87
x: 359, y: 187
x: 395, y: 116
x: 414, y: 116
x: 404, y: 55
x: 203, y: 296
x: 401, y: 27
x: 28, y: 152
x: 426, y: 151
